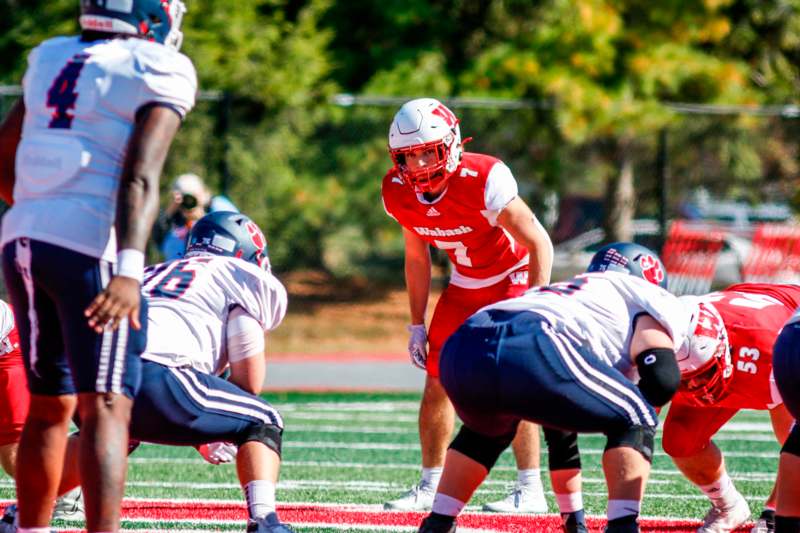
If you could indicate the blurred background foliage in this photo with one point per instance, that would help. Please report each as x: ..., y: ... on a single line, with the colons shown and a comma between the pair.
x: 597, y: 78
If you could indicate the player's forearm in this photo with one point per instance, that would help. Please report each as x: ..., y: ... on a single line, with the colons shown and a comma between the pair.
x: 249, y: 374
x: 137, y: 203
x: 418, y: 284
x: 526, y: 230
x: 540, y: 262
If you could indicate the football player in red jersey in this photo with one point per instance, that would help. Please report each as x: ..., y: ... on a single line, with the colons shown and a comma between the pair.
x: 466, y: 204
x: 15, y: 400
x: 14, y: 396
x: 726, y: 365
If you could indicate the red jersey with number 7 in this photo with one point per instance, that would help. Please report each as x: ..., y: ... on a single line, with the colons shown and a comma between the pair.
x: 753, y: 314
x: 462, y: 221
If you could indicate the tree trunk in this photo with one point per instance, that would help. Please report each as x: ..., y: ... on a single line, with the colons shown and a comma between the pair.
x: 620, y: 198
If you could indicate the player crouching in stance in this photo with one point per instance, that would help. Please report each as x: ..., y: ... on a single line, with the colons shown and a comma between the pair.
x: 591, y: 355
x: 208, y: 312
x: 726, y: 365
x: 786, y: 366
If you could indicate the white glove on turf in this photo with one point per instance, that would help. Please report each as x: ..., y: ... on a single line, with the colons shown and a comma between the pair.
x: 218, y: 452
x: 417, y: 345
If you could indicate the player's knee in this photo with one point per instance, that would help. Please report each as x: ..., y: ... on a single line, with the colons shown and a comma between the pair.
x: 792, y: 444
x: 562, y: 449
x: 51, y: 409
x: 481, y: 448
x: 640, y: 438
x: 269, y: 435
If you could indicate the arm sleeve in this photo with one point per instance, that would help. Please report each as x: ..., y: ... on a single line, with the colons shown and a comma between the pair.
x: 245, y: 337
x: 168, y: 79
x: 501, y: 188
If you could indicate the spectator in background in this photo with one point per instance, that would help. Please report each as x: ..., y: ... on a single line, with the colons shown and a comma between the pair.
x: 191, y: 200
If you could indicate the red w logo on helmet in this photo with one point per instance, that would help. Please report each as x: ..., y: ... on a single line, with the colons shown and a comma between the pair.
x: 256, y: 236
x: 651, y: 269
x: 446, y: 114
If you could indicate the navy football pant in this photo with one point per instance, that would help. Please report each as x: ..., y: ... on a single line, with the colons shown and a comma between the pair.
x: 786, y: 367
x: 501, y: 367
x: 50, y: 287
x: 181, y: 406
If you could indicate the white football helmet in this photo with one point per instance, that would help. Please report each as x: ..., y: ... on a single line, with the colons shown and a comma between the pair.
x: 425, y: 124
x: 705, y: 356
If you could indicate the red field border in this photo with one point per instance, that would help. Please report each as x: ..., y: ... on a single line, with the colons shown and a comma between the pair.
x: 366, y: 517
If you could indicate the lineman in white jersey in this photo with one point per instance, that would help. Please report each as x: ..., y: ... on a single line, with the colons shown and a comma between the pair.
x: 84, y: 149
x: 786, y: 366
x: 593, y: 354
x: 208, y: 312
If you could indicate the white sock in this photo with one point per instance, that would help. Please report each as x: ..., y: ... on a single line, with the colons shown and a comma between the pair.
x: 620, y: 508
x: 529, y: 478
x: 260, y: 496
x: 33, y: 530
x: 569, y: 502
x: 722, y: 493
x: 431, y: 476
x: 447, y: 505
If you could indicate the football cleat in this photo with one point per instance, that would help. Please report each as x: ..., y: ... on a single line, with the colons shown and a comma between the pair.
x: 268, y: 524
x: 435, y: 523
x: 419, y: 498
x: 725, y: 519
x: 520, y: 500
x: 625, y: 524
x: 70, y: 506
x: 765, y: 522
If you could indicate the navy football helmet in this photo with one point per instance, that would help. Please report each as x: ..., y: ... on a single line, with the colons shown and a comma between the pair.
x: 630, y: 258
x: 155, y: 20
x: 230, y: 234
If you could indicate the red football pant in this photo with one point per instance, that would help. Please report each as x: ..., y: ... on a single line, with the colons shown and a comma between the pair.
x: 456, y: 304
x: 688, y: 429
x: 14, y: 398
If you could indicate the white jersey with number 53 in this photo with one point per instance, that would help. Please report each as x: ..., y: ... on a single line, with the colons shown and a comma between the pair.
x: 599, y: 310
x: 189, y: 301
x: 81, y: 101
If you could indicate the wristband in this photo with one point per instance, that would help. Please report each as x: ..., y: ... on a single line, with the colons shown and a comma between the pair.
x: 130, y: 263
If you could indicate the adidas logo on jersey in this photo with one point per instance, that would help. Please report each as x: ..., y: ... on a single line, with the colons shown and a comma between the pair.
x: 432, y: 212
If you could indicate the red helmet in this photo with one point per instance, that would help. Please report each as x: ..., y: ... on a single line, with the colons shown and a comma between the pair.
x: 420, y: 125
x: 705, y: 356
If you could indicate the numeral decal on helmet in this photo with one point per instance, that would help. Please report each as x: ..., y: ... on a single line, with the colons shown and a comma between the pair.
x: 62, y: 95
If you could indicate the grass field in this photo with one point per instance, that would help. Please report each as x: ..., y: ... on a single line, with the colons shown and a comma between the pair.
x: 345, y: 454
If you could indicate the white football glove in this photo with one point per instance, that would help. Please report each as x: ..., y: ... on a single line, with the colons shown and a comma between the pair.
x: 218, y: 453
x: 417, y: 345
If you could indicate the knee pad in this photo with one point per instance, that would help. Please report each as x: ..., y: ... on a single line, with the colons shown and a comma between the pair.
x: 792, y: 444
x: 269, y: 435
x: 562, y: 449
x: 640, y: 438
x: 481, y: 448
